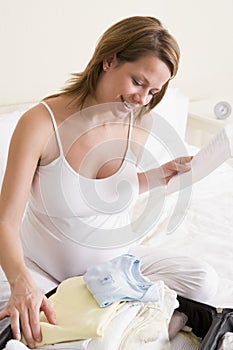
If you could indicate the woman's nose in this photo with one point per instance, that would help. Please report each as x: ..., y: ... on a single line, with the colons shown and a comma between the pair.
x: 142, y: 99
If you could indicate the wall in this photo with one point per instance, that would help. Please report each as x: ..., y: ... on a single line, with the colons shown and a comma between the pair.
x: 43, y: 41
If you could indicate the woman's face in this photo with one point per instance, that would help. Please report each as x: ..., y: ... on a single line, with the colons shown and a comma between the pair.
x: 132, y: 83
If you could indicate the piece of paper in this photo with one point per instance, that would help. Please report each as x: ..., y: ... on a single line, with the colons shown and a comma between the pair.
x: 213, y: 154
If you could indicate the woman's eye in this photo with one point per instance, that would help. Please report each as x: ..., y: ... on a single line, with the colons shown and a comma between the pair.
x: 137, y: 82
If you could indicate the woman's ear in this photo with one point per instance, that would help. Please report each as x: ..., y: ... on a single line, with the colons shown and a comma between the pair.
x: 109, y: 62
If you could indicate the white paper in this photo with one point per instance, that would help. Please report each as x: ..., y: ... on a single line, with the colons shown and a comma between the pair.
x: 217, y: 151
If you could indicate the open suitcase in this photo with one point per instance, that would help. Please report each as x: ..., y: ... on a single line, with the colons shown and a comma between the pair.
x: 206, y: 322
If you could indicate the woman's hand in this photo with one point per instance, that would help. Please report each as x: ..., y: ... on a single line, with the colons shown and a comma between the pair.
x: 161, y: 176
x: 23, y: 308
x: 178, y: 165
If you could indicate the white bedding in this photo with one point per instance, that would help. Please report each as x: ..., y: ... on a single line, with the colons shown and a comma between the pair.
x: 206, y: 230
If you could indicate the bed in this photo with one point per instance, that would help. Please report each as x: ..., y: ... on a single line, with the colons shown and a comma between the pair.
x: 204, y: 227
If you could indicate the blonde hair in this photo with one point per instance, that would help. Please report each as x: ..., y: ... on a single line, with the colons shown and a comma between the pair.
x: 129, y: 39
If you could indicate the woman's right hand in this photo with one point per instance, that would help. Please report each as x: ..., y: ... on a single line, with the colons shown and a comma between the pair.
x: 24, y: 307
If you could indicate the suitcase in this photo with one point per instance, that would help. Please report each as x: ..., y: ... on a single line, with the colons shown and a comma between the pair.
x: 216, y: 331
x: 206, y: 322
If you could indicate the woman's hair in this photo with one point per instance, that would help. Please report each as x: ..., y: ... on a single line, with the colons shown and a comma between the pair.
x: 130, y: 39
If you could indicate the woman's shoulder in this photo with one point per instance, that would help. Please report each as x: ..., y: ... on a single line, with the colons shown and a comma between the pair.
x: 54, y: 106
x: 37, y: 121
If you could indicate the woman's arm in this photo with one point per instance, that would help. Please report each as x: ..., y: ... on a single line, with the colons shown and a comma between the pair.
x: 162, y: 175
x: 26, y: 300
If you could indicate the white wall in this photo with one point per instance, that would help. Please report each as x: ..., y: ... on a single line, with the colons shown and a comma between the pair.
x: 42, y: 41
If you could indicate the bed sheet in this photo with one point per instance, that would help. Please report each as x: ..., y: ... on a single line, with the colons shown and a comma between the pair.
x: 206, y: 230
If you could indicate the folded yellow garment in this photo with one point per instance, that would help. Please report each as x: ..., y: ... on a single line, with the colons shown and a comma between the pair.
x: 77, y: 312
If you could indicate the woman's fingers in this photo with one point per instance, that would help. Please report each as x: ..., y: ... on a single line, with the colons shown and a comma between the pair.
x: 25, y: 316
x: 26, y: 328
x: 182, y: 164
x: 178, y: 165
x: 15, y: 325
x: 185, y: 159
x: 48, y: 310
x: 30, y: 321
x: 34, y: 319
x: 182, y: 167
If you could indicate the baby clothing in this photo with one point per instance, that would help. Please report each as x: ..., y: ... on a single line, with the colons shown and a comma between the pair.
x: 77, y: 312
x: 149, y: 329
x: 74, y: 345
x: 139, y: 326
x: 119, y: 279
x: 124, y: 326
x: 111, y: 339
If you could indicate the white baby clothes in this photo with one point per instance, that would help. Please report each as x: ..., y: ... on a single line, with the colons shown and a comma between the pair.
x: 15, y: 345
x: 149, y: 329
x: 140, y: 326
x: 120, y: 279
x: 113, y: 334
x: 75, y: 345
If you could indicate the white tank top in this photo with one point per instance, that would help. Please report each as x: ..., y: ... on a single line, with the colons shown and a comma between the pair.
x: 73, y: 222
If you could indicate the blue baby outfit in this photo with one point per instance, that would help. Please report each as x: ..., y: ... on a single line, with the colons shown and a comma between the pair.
x: 119, y: 279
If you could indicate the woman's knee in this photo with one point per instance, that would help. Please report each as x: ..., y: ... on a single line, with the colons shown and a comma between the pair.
x: 188, y: 276
x: 207, y: 282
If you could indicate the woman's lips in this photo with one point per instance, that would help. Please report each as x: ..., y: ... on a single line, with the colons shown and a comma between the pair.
x: 127, y: 104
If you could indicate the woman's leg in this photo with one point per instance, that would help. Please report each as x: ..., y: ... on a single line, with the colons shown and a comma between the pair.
x: 188, y: 276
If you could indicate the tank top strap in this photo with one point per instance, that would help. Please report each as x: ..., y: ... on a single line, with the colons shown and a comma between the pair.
x: 130, y: 126
x: 55, y: 126
x: 129, y: 154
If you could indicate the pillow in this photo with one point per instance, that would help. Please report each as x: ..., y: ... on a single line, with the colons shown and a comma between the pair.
x: 166, y: 140
x: 174, y: 109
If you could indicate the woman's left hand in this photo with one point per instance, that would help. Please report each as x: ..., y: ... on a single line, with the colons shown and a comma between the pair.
x: 178, y: 165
